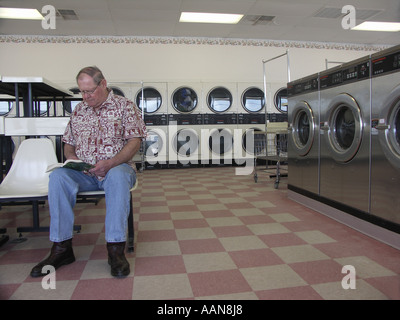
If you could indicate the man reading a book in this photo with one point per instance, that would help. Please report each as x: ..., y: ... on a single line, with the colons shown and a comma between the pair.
x: 105, y: 130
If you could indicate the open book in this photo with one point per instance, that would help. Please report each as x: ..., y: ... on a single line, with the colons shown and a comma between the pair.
x: 78, y: 165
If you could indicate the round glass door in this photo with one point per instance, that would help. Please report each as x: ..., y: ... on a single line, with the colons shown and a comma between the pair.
x: 390, y: 138
x: 186, y: 142
x: 281, y: 100
x: 150, y: 99
x: 303, y: 127
x: 219, y: 99
x: 153, y: 144
x: 251, y: 136
x: 220, y: 141
x: 253, y: 99
x: 345, y: 127
x: 184, y: 100
x: 394, y: 133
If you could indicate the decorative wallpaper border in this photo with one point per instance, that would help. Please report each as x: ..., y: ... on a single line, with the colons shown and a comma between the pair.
x: 187, y: 41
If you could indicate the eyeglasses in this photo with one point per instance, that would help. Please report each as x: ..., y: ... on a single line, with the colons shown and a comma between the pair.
x: 89, y: 92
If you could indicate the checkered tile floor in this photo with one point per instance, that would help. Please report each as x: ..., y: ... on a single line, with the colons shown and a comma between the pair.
x: 206, y: 233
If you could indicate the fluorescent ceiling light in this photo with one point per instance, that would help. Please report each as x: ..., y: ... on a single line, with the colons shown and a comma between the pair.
x: 20, y: 13
x: 378, y: 26
x: 201, y: 17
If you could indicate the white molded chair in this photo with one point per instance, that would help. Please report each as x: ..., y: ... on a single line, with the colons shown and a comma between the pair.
x: 27, y: 180
x: 85, y: 196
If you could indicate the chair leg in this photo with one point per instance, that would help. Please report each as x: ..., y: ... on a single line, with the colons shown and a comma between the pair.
x: 3, y: 238
x: 36, y: 223
x: 131, y: 232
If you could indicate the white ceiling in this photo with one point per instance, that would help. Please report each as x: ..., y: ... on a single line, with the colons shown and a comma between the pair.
x: 295, y: 20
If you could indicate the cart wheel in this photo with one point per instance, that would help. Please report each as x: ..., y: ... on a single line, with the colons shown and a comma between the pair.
x: 276, y: 185
x: 255, y: 178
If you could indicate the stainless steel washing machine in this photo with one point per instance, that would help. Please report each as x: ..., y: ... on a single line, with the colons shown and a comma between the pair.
x: 345, y: 135
x: 385, y: 135
x: 303, y: 137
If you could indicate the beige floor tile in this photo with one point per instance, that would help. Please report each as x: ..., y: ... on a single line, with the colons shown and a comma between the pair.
x: 314, y: 237
x: 180, y: 202
x: 16, y: 273
x: 96, y: 269
x: 84, y: 252
x: 283, y: 217
x: 156, y: 225
x: 35, y: 291
x: 157, y: 248
x: 203, y: 196
x: 161, y: 287
x: 194, y: 233
x: 224, y: 222
x: 365, y: 267
x: 183, y: 215
x: 247, y: 212
x: 34, y: 243
x: 211, y: 207
x: 205, y: 262
x: 272, y: 277
x: 232, y: 200
x: 335, y: 291
x: 262, y: 204
x: 233, y: 296
x: 302, y: 253
x: 242, y: 243
x: 146, y: 198
x: 268, y: 228
x: 155, y: 209
x: 176, y: 193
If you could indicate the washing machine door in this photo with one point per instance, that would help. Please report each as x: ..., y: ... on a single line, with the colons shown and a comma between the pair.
x: 184, y: 100
x: 389, y: 128
x: 303, y: 128
x: 219, y: 99
x: 153, y: 144
x: 150, y: 99
x: 220, y: 141
x: 186, y: 142
x: 345, y: 127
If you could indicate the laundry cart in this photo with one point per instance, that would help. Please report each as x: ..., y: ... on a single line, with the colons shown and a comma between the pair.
x: 271, y: 145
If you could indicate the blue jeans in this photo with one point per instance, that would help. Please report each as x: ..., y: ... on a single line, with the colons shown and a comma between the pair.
x: 64, y: 184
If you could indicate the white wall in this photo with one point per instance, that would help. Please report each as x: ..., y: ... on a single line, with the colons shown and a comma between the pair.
x: 168, y: 61
x: 59, y: 62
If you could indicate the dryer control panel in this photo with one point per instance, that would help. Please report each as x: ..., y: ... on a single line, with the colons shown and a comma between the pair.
x: 303, y: 86
x: 386, y: 64
x: 185, y: 119
x: 345, y: 74
x: 220, y: 118
x: 244, y: 118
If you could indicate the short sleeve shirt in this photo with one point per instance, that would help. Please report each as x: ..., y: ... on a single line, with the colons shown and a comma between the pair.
x: 101, y: 133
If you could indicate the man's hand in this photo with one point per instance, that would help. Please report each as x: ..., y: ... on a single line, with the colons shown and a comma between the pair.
x: 101, y: 168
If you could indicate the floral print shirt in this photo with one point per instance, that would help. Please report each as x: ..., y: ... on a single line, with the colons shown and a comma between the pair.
x: 99, y: 134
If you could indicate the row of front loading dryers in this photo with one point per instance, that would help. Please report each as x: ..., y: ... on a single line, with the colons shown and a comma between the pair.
x: 344, y: 137
x: 194, y: 122
x: 198, y: 128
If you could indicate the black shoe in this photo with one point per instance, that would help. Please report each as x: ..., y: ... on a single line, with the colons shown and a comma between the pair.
x: 61, y: 254
x: 116, y: 259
